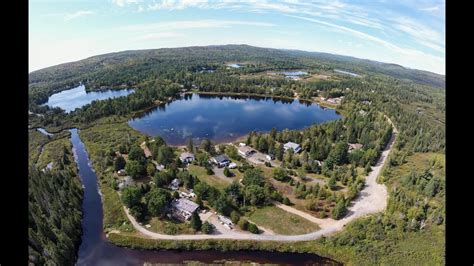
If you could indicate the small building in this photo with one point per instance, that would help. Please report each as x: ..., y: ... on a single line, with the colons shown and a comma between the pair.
x: 291, y: 145
x: 242, y: 144
x: 160, y: 167
x: 186, y: 157
x: 175, y: 184
x: 183, y: 208
x: 221, y: 160
x: 121, y: 172
x: 354, y: 146
x: 246, y: 151
x: 270, y: 157
x: 125, y: 182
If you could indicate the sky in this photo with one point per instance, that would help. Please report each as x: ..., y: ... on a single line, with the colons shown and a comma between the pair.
x: 408, y: 33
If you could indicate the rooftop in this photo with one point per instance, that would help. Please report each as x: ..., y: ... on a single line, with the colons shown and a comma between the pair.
x: 185, y: 155
x: 221, y: 158
x: 185, y: 205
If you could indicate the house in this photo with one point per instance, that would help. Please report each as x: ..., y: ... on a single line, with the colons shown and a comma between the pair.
x: 221, y: 160
x: 121, y: 172
x: 186, y: 157
x: 291, y: 145
x: 175, y: 184
x: 354, y: 146
x: 270, y: 157
x: 246, y: 151
x: 183, y: 208
x: 125, y: 182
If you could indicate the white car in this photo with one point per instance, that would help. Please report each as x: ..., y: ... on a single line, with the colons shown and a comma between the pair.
x: 232, y: 166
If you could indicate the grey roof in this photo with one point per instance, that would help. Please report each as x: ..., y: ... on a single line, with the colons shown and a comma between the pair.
x: 221, y: 158
x: 185, y: 205
x: 291, y: 145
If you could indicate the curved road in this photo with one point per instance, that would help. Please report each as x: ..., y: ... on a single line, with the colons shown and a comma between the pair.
x: 372, y: 199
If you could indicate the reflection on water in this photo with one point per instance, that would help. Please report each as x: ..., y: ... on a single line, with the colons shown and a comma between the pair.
x: 225, y: 118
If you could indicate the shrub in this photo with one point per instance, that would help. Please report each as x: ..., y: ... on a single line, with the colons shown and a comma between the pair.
x: 286, y: 201
x: 243, y: 224
x: 207, y: 228
x: 252, y: 228
x: 235, y: 217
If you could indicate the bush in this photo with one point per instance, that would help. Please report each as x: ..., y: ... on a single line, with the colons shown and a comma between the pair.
x: 235, y: 217
x: 268, y: 164
x: 286, y: 201
x: 243, y: 224
x: 252, y: 228
x: 227, y: 172
x: 207, y: 228
x: 209, y: 171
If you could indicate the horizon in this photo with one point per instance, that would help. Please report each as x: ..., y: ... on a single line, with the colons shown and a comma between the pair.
x: 235, y: 44
x: 406, y: 33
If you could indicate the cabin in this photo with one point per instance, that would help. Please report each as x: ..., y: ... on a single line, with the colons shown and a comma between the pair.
x: 175, y: 184
x: 354, y: 146
x: 221, y: 160
x: 125, y: 182
x: 183, y: 208
x: 246, y: 151
x: 291, y: 145
x: 186, y: 157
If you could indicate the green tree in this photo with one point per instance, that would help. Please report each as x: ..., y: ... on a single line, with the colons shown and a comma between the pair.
x: 227, y: 172
x: 286, y: 201
x: 136, y: 153
x: 150, y: 169
x: 243, y: 224
x: 134, y: 169
x: 280, y: 174
x: 119, y: 163
x: 252, y: 228
x: 253, y: 176
x: 206, y: 145
x: 190, y: 145
x: 207, y: 228
x: 131, y: 196
x: 339, y: 210
x: 332, y: 183
x: 196, y: 222
x: 157, y: 200
x: 235, y: 217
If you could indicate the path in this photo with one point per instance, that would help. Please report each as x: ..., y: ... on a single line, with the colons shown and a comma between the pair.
x: 372, y: 199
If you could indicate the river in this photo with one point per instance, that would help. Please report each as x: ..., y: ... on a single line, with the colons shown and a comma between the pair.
x: 96, y: 250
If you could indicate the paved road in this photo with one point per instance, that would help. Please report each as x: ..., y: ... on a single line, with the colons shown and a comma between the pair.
x: 372, y: 199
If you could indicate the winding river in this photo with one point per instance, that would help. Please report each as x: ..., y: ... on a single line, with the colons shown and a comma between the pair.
x: 96, y: 250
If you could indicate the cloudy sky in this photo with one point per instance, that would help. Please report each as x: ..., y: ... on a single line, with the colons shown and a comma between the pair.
x: 409, y: 33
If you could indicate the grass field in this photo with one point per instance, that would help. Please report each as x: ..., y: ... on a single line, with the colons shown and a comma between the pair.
x: 211, y: 180
x: 169, y: 227
x: 281, y: 222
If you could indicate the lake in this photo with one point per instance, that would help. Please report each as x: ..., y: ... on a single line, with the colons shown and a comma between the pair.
x: 346, y: 72
x: 96, y: 250
x: 225, y: 118
x: 77, y: 97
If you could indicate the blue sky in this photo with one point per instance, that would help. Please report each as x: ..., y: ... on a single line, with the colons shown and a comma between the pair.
x: 409, y: 33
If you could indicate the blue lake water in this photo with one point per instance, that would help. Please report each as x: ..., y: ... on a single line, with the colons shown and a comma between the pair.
x: 223, y: 118
x: 346, y: 72
x: 77, y: 97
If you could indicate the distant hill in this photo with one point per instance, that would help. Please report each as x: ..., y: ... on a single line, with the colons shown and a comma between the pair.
x: 141, y: 63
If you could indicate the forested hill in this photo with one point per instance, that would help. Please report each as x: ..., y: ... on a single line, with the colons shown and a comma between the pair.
x: 134, y: 66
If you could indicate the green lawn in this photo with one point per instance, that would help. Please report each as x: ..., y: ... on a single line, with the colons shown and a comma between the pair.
x: 281, y: 222
x: 169, y: 227
x: 211, y: 180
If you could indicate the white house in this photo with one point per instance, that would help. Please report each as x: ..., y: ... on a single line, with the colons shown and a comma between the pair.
x: 186, y: 157
x: 291, y: 145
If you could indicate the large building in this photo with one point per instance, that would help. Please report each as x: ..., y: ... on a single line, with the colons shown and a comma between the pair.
x: 291, y: 145
x: 183, y: 208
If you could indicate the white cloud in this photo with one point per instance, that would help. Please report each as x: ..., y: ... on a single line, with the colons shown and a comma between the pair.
x: 431, y: 8
x: 420, y: 33
x: 191, y: 24
x: 122, y: 3
x: 78, y: 14
x: 158, y: 36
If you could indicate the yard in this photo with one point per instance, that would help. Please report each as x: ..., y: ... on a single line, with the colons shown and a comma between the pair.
x: 281, y: 222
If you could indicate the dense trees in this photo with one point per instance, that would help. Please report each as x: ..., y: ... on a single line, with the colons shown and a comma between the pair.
x: 119, y: 163
x: 196, y: 222
x: 54, y: 217
x: 156, y: 201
